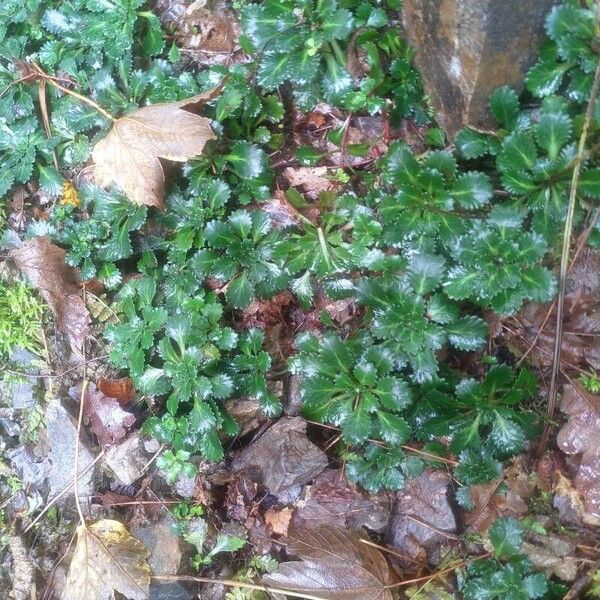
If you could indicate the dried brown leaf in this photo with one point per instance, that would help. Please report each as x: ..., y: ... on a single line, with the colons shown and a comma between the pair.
x: 44, y: 265
x: 334, y: 564
x: 278, y: 521
x: 108, y: 420
x: 121, y: 389
x: 579, y: 436
x: 128, y: 155
x: 107, y: 559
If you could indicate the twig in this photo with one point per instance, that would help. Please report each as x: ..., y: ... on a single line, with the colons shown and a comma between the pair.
x: 63, y: 492
x: 232, y: 583
x: 564, y: 265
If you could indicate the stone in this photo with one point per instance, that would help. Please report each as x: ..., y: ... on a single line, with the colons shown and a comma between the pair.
x: 163, y: 544
x: 61, y: 436
x: 127, y: 460
x: 467, y: 48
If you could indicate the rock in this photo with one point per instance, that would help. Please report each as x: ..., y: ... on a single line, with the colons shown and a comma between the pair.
x: 283, y: 458
x: 467, y: 48
x: 422, y: 519
x: 163, y: 543
x: 185, y: 486
x: 26, y: 467
x: 61, y: 434
x: 170, y: 590
x: 127, y: 460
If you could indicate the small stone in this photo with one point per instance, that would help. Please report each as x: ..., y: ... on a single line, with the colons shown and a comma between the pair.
x: 61, y: 432
x: 127, y: 460
x: 170, y: 590
x: 25, y: 466
x: 163, y: 543
x: 185, y: 486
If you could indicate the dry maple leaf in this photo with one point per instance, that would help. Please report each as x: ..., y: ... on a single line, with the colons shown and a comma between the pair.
x: 334, y: 564
x: 128, y: 155
x: 44, y: 265
x: 106, y: 559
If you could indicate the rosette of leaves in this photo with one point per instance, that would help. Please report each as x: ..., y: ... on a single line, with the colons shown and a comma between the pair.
x: 250, y: 367
x: 345, y: 240
x: 380, y: 467
x: 485, y: 421
x: 428, y: 197
x: 241, y: 254
x: 353, y: 386
x: 412, y: 327
x: 508, y: 574
x: 570, y: 57
x: 536, y: 164
x: 305, y: 42
x: 97, y: 242
x: 498, y: 266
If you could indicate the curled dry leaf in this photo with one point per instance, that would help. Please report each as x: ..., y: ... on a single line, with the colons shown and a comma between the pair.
x: 128, y: 155
x: 107, y: 559
x: 108, y: 420
x: 44, y: 265
x: 333, y: 564
x: 121, y: 389
x: 580, y: 435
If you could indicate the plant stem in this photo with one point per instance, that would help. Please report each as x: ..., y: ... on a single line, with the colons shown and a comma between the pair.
x: 564, y: 266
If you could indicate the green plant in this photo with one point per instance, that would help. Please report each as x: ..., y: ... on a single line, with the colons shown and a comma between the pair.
x: 255, y: 567
x: 509, y: 573
x: 21, y: 318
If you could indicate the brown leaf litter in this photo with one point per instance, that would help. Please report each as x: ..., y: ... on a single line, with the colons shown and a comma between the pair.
x: 43, y: 263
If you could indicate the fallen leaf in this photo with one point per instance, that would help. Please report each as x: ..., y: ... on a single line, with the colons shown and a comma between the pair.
x: 278, y: 521
x: 108, y: 420
x: 312, y: 180
x: 121, y: 389
x: 552, y: 553
x: 107, y: 559
x: 44, y: 265
x: 422, y: 519
x: 239, y: 499
x: 579, y: 436
x: 331, y: 500
x: 128, y: 155
x: 333, y: 564
x: 506, y: 497
x: 282, y: 458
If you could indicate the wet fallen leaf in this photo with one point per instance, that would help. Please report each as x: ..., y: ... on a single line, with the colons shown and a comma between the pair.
x: 334, y: 564
x: 108, y: 420
x: 121, y: 389
x: 44, y: 265
x: 570, y: 504
x: 506, y: 497
x: 422, y: 519
x: 128, y: 155
x: 282, y: 458
x: 107, y: 559
x: 579, y: 436
x: 331, y: 500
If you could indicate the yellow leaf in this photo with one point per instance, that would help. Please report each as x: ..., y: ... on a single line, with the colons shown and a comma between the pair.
x: 106, y: 559
x: 128, y: 155
x: 70, y: 196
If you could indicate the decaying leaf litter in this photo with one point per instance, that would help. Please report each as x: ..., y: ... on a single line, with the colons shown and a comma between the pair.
x: 284, y: 504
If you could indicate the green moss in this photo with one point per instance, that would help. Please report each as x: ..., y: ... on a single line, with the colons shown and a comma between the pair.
x: 21, y: 313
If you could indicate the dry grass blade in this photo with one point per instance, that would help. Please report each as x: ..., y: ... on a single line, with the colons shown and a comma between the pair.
x: 564, y: 265
x: 107, y: 559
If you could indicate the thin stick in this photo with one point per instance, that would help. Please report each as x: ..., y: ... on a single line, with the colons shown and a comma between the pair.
x: 63, y: 492
x: 232, y: 583
x: 564, y: 265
